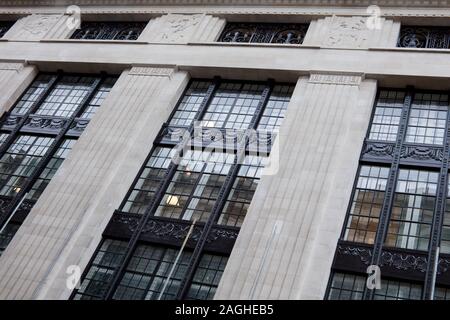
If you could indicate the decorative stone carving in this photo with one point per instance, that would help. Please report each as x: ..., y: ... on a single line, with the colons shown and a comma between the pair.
x: 173, y: 28
x: 151, y: 71
x: 335, y: 79
x: 352, y: 32
x: 34, y: 27
x: 348, y: 32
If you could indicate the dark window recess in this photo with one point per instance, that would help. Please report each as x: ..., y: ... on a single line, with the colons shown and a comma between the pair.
x: 5, y: 26
x: 399, y: 208
x: 424, y: 37
x: 211, y: 186
x: 347, y: 286
x: 37, y: 135
x: 283, y: 33
x: 153, y: 273
x: 109, y: 30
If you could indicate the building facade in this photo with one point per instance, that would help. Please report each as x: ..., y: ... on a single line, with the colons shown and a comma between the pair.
x: 224, y: 149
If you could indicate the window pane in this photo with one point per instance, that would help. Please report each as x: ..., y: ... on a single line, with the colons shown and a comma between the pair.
x: 412, y: 212
x: 207, y: 277
x: 66, y: 96
x: 190, y: 103
x: 398, y: 290
x: 386, y: 118
x: 346, y: 286
x: 50, y: 169
x: 241, y: 194
x: 95, y: 282
x: 275, y: 110
x: 366, y: 205
x: 233, y: 106
x: 147, y: 275
x: 32, y: 94
x: 98, y: 98
x: 148, y: 182
x: 427, y: 119
x: 19, y: 162
x: 195, y: 186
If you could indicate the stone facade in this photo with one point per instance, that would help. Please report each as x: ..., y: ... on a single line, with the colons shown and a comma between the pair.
x: 286, y: 246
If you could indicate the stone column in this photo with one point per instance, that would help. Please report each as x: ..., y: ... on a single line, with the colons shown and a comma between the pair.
x: 183, y: 28
x: 14, y: 79
x: 352, y: 32
x: 286, y: 245
x: 66, y: 224
x: 37, y: 27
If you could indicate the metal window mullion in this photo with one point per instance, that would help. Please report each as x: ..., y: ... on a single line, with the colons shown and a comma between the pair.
x: 44, y: 94
x: 383, y: 223
x: 49, y: 154
x: 222, y: 197
x: 159, y: 194
x: 438, y: 217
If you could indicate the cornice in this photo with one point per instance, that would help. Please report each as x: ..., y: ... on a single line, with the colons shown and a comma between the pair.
x: 225, y: 11
x: 234, y: 3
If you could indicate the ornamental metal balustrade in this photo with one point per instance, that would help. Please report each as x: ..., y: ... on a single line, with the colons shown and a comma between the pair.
x: 264, y: 33
x: 166, y: 196
x: 109, y: 30
x: 398, y: 214
x: 37, y: 135
x: 424, y: 37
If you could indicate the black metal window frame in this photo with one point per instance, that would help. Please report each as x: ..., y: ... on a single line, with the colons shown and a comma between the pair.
x: 400, y: 263
x: 433, y: 37
x: 351, y: 286
x: 208, y: 236
x: 109, y: 30
x: 26, y: 124
x: 281, y: 33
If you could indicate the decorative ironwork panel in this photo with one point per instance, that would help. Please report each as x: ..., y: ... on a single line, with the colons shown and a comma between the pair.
x: 11, y: 121
x: 378, y: 151
x: 424, y: 37
x: 264, y: 33
x: 171, y: 232
x: 45, y: 124
x: 422, y: 153
x: 109, y: 30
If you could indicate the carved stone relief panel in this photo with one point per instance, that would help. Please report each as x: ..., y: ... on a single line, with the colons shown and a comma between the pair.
x: 34, y: 27
x: 173, y: 28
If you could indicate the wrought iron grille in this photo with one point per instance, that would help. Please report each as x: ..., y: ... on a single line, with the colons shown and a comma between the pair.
x: 397, y: 216
x: 5, y: 26
x: 167, y: 196
x: 109, y: 30
x: 37, y: 135
x: 424, y: 37
x: 264, y: 33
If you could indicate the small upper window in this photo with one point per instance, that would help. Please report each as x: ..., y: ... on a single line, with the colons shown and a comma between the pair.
x: 4, y: 27
x: 109, y: 30
x: 284, y: 33
x: 424, y: 37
